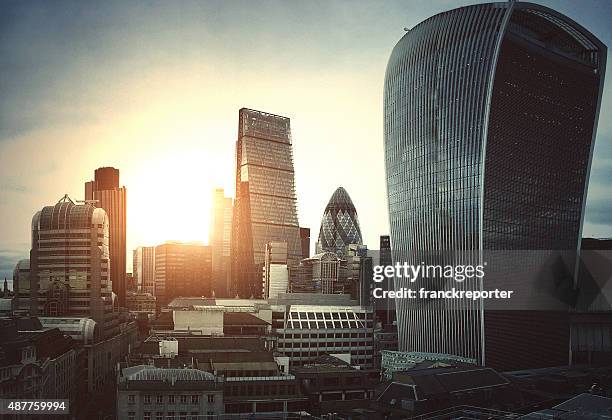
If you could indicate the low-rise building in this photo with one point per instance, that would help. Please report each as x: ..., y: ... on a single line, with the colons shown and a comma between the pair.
x: 141, y: 303
x: 36, y: 362
x: 150, y: 393
x: 332, y: 384
x: 305, y: 332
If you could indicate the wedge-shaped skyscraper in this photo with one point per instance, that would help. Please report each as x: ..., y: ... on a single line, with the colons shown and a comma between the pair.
x: 265, y: 208
x: 490, y: 114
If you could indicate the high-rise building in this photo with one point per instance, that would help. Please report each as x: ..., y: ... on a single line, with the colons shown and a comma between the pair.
x: 143, y: 269
x: 69, y: 265
x: 276, y: 272
x: 305, y: 238
x: 21, y: 286
x: 220, y: 241
x: 385, y: 307
x: 105, y: 193
x: 182, y: 270
x: 490, y: 115
x: 265, y: 209
x: 339, y: 225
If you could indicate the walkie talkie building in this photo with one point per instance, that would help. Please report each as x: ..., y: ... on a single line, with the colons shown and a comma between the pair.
x: 490, y: 114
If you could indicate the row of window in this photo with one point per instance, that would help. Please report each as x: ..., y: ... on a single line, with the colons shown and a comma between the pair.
x: 327, y: 335
x: 171, y: 415
x: 171, y: 399
x: 327, y: 344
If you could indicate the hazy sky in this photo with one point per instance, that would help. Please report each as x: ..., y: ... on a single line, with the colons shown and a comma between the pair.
x: 153, y: 88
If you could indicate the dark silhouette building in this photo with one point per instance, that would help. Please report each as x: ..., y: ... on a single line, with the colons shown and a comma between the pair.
x: 220, y: 240
x: 182, y: 269
x: 305, y: 238
x: 490, y: 115
x: 265, y: 208
x: 105, y: 193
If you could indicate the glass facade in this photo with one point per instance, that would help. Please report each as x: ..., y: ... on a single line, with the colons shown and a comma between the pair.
x: 339, y: 226
x: 489, y: 121
x: 265, y: 209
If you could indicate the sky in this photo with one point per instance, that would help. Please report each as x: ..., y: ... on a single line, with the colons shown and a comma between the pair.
x: 154, y: 88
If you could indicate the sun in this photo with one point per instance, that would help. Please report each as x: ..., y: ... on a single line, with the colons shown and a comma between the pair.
x: 170, y: 197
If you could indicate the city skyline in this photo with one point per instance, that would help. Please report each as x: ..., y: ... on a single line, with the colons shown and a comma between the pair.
x: 178, y: 134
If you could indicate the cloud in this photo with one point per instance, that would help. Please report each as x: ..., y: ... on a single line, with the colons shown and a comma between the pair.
x: 8, y: 259
x: 11, y: 185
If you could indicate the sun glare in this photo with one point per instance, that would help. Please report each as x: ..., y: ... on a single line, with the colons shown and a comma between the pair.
x: 169, y: 197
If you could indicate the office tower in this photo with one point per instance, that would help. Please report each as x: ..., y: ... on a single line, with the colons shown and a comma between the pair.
x: 143, y: 269
x: 21, y: 286
x: 339, y: 225
x: 69, y: 265
x: 320, y: 273
x: 104, y: 190
x: 357, y: 273
x: 265, y: 209
x: 305, y: 238
x: 276, y: 272
x: 220, y: 241
x: 182, y: 270
x: 307, y: 328
x: 490, y: 115
x: 130, y: 282
x: 385, y: 307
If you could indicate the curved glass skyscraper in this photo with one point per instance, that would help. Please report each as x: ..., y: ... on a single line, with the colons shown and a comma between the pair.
x: 490, y: 114
x: 339, y: 226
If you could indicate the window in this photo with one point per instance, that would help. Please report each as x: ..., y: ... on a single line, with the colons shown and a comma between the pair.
x: 195, y: 399
x: 211, y: 398
x: 194, y: 415
x: 131, y: 399
x: 160, y: 399
x: 131, y: 415
x: 171, y: 414
x: 147, y: 399
x: 210, y: 413
x: 159, y: 415
x: 183, y: 415
x: 183, y: 399
x: 147, y: 415
x: 171, y: 399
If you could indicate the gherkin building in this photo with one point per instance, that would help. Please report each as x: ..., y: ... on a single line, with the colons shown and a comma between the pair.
x: 339, y: 226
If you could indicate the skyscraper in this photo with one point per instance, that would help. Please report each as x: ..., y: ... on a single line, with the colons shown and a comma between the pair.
x: 143, y: 269
x: 69, y: 260
x: 385, y: 307
x: 490, y: 116
x: 182, y: 270
x: 339, y: 225
x: 220, y: 242
x: 104, y: 190
x: 265, y: 209
x: 305, y: 237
